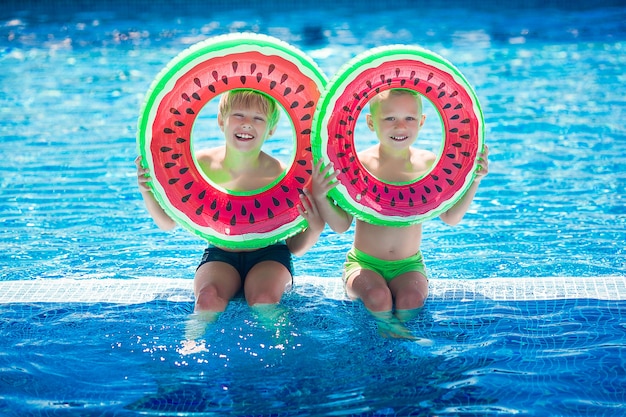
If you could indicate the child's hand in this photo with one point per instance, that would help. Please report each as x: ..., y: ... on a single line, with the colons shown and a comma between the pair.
x: 483, y: 164
x: 143, y: 175
x: 322, y: 181
x: 308, y: 209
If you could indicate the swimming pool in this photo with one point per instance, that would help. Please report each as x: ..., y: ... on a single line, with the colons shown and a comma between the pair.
x: 527, y: 297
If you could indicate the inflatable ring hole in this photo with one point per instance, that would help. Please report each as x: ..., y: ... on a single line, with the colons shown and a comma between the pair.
x: 430, y: 138
x: 206, y: 134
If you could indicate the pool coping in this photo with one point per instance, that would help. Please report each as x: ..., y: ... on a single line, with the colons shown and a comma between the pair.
x: 146, y: 289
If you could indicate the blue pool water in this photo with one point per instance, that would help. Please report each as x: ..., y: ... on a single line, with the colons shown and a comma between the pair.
x: 551, y: 83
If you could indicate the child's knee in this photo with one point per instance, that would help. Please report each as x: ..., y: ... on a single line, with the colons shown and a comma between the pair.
x: 208, y: 299
x: 410, y: 300
x: 378, y: 298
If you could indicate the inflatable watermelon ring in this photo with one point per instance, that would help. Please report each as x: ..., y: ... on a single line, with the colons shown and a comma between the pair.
x: 241, y: 220
x: 406, y: 67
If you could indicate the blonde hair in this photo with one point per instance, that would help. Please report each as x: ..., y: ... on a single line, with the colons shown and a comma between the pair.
x: 249, y: 98
x: 375, y: 101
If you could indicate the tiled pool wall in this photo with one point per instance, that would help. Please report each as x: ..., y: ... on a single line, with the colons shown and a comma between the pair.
x: 142, y: 290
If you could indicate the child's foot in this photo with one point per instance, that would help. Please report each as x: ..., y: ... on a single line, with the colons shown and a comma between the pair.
x: 390, y: 327
x: 189, y: 347
x: 406, y: 315
x: 394, y: 332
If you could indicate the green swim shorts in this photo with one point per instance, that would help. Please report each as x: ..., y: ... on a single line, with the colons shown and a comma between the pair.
x: 357, y: 259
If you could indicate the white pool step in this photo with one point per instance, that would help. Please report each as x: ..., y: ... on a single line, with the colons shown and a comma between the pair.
x: 141, y: 290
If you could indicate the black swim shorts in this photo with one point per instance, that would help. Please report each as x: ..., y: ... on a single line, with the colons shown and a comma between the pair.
x: 243, y: 262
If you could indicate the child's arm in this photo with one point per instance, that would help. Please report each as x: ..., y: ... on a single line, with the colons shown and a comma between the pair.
x: 301, y: 243
x: 455, y: 213
x: 338, y: 220
x: 159, y: 216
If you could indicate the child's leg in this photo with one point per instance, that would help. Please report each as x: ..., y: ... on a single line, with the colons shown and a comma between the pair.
x: 196, y: 324
x: 369, y: 287
x: 266, y: 282
x: 372, y: 290
x: 410, y: 291
x: 215, y: 284
x: 274, y: 318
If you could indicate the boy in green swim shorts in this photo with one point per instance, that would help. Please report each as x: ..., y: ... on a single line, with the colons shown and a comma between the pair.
x: 385, y: 268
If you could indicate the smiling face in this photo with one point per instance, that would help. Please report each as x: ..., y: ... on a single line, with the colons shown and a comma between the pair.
x: 247, y: 118
x: 396, y: 117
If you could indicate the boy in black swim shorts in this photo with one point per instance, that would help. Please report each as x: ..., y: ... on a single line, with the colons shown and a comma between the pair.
x: 247, y: 119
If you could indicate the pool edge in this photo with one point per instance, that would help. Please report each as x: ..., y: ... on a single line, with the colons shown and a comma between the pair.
x: 146, y: 289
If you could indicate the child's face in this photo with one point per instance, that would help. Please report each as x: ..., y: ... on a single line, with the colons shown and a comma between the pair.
x: 245, y: 128
x: 397, y: 120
